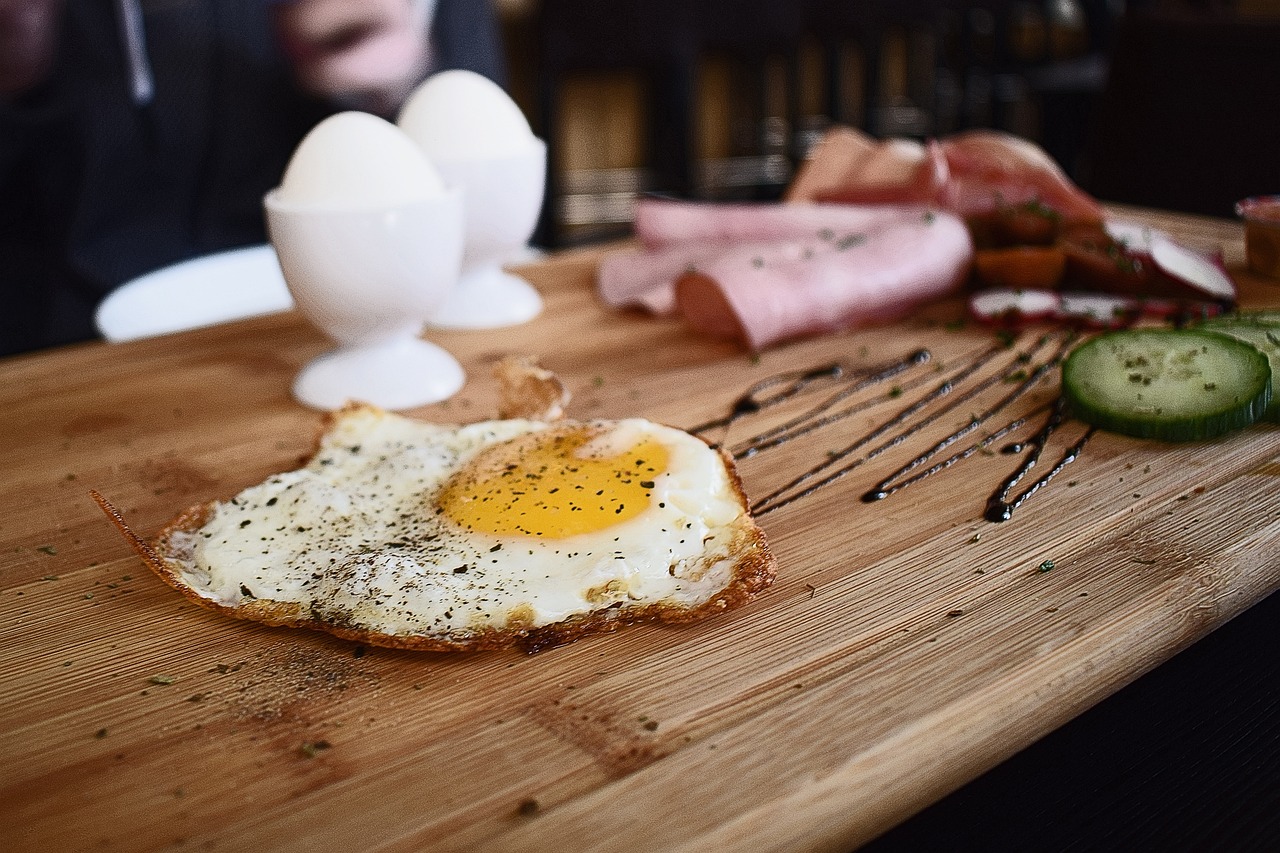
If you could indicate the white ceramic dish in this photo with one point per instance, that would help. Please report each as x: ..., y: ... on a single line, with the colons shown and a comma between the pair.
x: 201, y: 292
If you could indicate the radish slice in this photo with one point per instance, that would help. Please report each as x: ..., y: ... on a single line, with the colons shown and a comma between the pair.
x: 1098, y: 309
x: 1163, y: 308
x: 1002, y: 305
x: 1133, y: 236
x: 1192, y: 269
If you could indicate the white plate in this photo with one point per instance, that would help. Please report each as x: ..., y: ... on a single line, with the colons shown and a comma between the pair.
x: 201, y: 292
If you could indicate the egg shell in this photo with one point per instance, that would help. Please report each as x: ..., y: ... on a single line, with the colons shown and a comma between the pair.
x: 462, y: 115
x: 355, y: 159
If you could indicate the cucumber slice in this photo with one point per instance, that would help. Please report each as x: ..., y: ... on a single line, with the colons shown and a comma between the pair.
x: 1168, y: 384
x: 1265, y: 337
x: 1265, y: 317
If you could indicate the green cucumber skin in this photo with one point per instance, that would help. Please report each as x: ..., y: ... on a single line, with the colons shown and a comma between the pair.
x: 1103, y: 387
x: 1269, y: 317
x: 1262, y: 330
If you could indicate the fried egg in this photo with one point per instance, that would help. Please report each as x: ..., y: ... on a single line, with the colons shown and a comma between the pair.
x: 420, y: 535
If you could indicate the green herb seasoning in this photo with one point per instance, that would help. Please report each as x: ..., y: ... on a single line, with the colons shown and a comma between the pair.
x: 848, y: 241
x: 312, y: 748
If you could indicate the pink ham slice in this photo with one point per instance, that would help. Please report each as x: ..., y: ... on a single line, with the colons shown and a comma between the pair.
x: 685, y: 235
x: 639, y: 278
x: 662, y: 222
x: 989, y: 169
x: 766, y: 293
x: 970, y: 174
x: 850, y: 167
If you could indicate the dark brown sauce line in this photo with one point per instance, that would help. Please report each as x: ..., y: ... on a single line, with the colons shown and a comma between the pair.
x: 747, y: 404
x: 999, y: 507
x: 779, y: 497
x: 886, y: 487
x: 819, y: 416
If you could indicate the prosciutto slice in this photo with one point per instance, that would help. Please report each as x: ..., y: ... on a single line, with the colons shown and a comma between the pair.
x: 850, y: 167
x: 970, y: 174
x: 989, y: 169
x: 767, y: 292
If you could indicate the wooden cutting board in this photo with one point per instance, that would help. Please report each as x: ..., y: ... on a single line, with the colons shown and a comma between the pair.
x: 907, y: 646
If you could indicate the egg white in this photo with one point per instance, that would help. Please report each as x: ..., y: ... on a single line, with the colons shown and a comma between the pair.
x: 356, y: 537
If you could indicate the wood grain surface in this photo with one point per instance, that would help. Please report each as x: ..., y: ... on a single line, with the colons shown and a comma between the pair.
x: 906, y: 647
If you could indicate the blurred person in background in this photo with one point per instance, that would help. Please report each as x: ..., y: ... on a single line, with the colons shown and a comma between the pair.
x: 138, y: 133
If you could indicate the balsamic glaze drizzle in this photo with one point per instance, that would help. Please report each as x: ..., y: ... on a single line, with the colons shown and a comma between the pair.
x: 999, y: 505
x: 749, y: 403
x: 1025, y: 371
x: 887, y: 486
x: 905, y: 418
x: 819, y: 416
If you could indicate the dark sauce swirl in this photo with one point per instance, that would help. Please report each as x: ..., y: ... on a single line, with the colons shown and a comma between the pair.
x: 1024, y: 372
x: 1000, y: 506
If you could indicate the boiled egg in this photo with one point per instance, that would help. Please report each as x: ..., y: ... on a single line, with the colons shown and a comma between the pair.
x: 355, y: 159
x: 462, y: 115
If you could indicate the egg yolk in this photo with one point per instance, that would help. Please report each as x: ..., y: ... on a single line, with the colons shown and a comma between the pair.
x: 547, y: 484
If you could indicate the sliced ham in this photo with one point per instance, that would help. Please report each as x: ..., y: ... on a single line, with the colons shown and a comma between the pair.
x: 767, y: 292
x: 970, y: 174
x: 990, y: 169
x: 850, y: 167
x: 870, y: 230
x: 639, y: 278
x: 661, y: 222
x: 686, y: 235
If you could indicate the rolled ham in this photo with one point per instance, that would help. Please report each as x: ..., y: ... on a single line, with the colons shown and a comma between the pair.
x: 661, y: 223
x: 685, y: 235
x: 639, y: 278
x: 764, y: 293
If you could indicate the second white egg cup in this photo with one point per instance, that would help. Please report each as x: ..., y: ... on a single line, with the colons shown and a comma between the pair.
x: 503, y: 199
x: 370, y: 278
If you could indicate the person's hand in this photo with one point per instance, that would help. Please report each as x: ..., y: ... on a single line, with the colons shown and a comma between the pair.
x: 365, y: 53
x: 28, y: 42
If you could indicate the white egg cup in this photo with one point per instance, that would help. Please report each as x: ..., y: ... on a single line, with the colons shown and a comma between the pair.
x: 369, y: 278
x: 503, y: 199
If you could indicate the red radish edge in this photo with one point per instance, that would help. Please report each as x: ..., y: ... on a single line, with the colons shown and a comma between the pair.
x: 1193, y: 269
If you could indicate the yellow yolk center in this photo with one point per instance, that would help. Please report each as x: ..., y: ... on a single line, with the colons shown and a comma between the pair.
x: 548, y: 484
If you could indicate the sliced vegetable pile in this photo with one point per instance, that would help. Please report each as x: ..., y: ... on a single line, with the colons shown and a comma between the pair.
x: 1030, y: 266
x: 1177, y: 384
